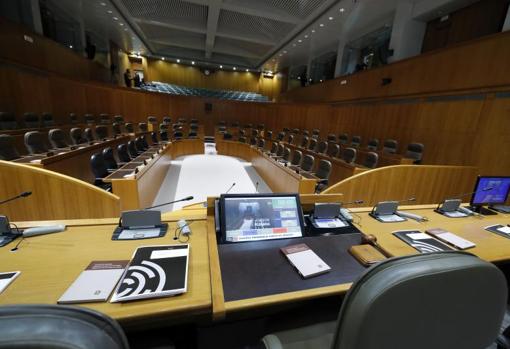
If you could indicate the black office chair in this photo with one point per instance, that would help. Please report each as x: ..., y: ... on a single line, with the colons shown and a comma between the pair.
x: 58, y: 327
x: 163, y: 127
x: 7, y: 149
x: 269, y: 135
x: 154, y: 138
x: 307, y: 163
x: 102, y: 132
x: 109, y: 159
x: 100, y: 171
x: 117, y: 129
x: 163, y: 135
x: 31, y: 120
x: 261, y: 127
x: 254, y: 133
x: 242, y: 139
x: 132, y: 150
x: 142, y: 127
x: 415, y: 151
x: 421, y: 301
x: 356, y: 141
x: 118, y: 119
x: 286, y: 154
x: 89, y: 119
x: 104, y: 119
x: 331, y: 138
x: 178, y: 135
x: 349, y: 155
x: 144, y: 142
x: 222, y: 129
x: 57, y: 138
x: 371, y: 160
x: 296, y: 131
x: 390, y: 146
x: 178, y: 127
x: 296, y: 158
x: 274, y: 148
x: 280, y: 150
x: 323, y: 173
x: 261, y: 143
x: 305, y: 133
x: 343, y: 139
x: 129, y: 127
x: 34, y: 143
x: 316, y: 133
x: 123, y: 153
x: 152, y: 120
x: 192, y: 135
x: 312, y: 144
x: 304, y: 142
x: 8, y: 121
x: 333, y: 150
x: 193, y: 127
x: 182, y: 120
x: 167, y: 120
x: 76, y: 136
x: 253, y: 141
x: 373, y: 144
x: 139, y: 145
x: 281, y: 136
x: 227, y: 136
x: 73, y: 118
x: 47, y: 119
x: 290, y: 139
x: 322, y: 147
x: 88, y: 134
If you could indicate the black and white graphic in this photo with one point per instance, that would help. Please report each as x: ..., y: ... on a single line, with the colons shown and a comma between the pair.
x: 154, y: 271
x: 421, y: 242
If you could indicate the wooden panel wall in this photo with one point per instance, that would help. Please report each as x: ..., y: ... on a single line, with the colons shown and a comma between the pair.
x: 478, y: 64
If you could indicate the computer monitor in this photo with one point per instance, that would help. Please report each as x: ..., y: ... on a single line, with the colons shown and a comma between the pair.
x: 255, y: 217
x: 490, y: 190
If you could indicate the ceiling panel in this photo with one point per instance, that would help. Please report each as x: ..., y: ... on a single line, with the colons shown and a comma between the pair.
x: 298, y: 8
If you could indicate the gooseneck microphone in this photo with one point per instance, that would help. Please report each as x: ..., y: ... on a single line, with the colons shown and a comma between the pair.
x: 389, y: 207
x: 187, y: 198
x: 355, y: 202
x: 229, y: 189
x: 22, y: 195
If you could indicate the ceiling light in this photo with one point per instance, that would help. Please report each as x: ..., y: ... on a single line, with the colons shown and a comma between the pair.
x: 178, y: 60
x: 330, y: 18
x: 294, y: 45
x: 121, y: 24
x: 234, y: 68
x: 103, y: 4
x: 125, y: 29
x: 193, y: 62
x: 306, y: 36
x: 300, y: 40
x: 321, y: 25
x: 342, y: 10
x: 284, y: 51
x: 163, y: 58
x: 70, y: 46
x: 115, y: 18
x: 280, y: 54
x: 313, y: 30
x: 109, y: 11
x: 221, y: 67
x: 247, y: 69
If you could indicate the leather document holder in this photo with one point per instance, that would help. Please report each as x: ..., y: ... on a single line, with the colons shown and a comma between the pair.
x: 366, y: 254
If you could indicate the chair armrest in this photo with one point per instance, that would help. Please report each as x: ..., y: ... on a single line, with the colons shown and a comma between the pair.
x: 503, y: 340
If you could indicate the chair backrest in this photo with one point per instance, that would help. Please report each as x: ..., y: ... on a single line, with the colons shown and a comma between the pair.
x: 331, y: 138
x: 154, y: 137
x: 433, y: 300
x: 254, y: 132
x: 373, y: 144
x: 144, y: 142
x: 415, y: 151
x: 322, y: 147
x: 178, y: 135
x: 192, y: 134
x: 47, y: 119
x: 274, y: 148
x: 139, y: 144
x: 390, y: 146
x: 182, y: 120
x: 304, y: 141
x: 308, y: 162
x: 89, y: 119
x: 269, y: 134
x: 261, y: 143
x: 142, y: 126
x: 76, y: 136
x: 312, y: 144
x: 8, y: 121
x: 280, y: 150
x: 130, y: 128
x: 227, y: 135
x: 323, y: 169
x: 123, y: 154
x: 286, y: 154
x: 242, y: 139
x: 104, y: 119
x: 290, y: 139
x: 281, y: 136
x: 98, y: 166
x: 7, y: 149
x: 73, y: 118
x: 34, y: 143
x: 371, y: 160
x: 152, y: 120
x: 102, y: 132
x: 167, y: 120
x: 242, y: 132
x: 116, y: 128
x: 88, y: 134
x: 253, y: 141
x: 316, y: 132
x: 296, y: 158
x: 58, y: 326
x: 355, y: 141
x: 57, y: 138
x: 132, y: 150
x: 31, y: 120
x: 305, y: 133
x: 193, y: 127
x: 163, y: 127
x: 343, y: 138
x: 163, y: 135
x: 333, y: 150
x: 109, y: 158
x: 349, y: 155
x: 119, y: 119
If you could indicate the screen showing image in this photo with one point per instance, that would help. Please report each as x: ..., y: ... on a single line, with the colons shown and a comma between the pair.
x: 491, y: 190
x: 261, y: 218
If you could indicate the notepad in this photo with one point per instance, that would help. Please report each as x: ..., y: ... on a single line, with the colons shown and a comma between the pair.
x: 7, y: 278
x: 390, y: 218
x: 306, y: 262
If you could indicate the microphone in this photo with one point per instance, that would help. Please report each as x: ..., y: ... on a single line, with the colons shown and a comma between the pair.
x: 229, y: 189
x: 22, y: 195
x: 257, y: 187
x: 384, y: 208
x: 355, y: 202
x: 453, y: 204
x: 187, y: 198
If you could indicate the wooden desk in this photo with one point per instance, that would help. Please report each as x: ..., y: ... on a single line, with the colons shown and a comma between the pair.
x: 279, y: 177
x: 50, y: 263
x: 74, y: 163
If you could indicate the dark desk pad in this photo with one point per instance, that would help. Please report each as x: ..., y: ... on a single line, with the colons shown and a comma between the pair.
x: 256, y: 269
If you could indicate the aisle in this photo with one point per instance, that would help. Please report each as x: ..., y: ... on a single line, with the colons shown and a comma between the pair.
x: 207, y: 175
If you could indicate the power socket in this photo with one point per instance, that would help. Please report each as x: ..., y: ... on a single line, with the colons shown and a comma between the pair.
x: 184, y: 227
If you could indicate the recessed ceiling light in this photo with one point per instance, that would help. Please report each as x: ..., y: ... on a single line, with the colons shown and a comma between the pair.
x: 110, y: 11
x: 234, y: 68
x: 294, y: 45
x: 178, y: 60
x: 193, y: 62
x: 342, y: 10
x: 121, y: 24
x: 115, y: 18
x: 70, y: 46
x: 125, y: 29
x: 103, y: 4
x: 163, y: 58
x: 247, y: 69
x: 221, y: 67
x: 284, y: 51
x: 133, y: 37
x: 321, y: 25
x: 330, y: 18
x: 300, y: 40
x: 313, y: 30
x: 306, y: 36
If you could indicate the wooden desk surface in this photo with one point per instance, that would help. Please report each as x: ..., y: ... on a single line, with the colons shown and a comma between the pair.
x: 50, y: 263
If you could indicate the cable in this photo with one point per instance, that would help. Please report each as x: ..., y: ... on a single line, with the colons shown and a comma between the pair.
x: 178, y: 236
x: 15, y: 248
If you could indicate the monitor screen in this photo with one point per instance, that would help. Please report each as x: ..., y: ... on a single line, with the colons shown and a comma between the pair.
x: 491, y: 190
x: 260, y: 217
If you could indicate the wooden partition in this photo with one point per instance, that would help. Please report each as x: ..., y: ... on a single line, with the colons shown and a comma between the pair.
x: 428, y: 184
x: 54, y: 196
